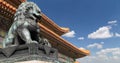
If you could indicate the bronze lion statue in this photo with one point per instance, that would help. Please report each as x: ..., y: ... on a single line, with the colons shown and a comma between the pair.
x: 25, y: 28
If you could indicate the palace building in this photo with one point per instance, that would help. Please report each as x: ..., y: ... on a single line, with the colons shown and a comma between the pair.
x: 68, y: 53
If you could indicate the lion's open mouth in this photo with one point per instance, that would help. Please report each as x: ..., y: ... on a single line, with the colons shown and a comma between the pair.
x: 37, y: 16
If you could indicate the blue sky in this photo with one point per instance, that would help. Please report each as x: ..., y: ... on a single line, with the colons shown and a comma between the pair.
x: 94, y: 25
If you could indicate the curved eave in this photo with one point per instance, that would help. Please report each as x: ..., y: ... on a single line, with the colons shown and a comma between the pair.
x: 53, y: 26
x: 7, y: 6
x: 58, y: 41
x: 14, y: 3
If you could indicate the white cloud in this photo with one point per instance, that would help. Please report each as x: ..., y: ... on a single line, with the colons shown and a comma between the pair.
x: 112, y: 22
x: 101, y: 33
x: 109, y: 55
x: 81, y: 38
x: 117, y: 34
x: 70, y: 34
x: 113, y: 51
x: 82, y: 48
x: 96, y: 45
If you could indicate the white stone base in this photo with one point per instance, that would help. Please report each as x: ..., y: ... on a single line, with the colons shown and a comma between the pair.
x: 33, y: 61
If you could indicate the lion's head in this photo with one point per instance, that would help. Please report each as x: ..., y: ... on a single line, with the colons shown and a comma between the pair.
x: 28, y: 10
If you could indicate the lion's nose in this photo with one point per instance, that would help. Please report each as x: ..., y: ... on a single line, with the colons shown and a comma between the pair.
x: 38, y: 12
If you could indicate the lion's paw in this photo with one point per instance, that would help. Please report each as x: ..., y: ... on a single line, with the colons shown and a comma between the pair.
x: 34, y: 42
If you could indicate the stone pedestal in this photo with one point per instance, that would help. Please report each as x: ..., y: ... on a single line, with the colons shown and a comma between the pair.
x: 27, y: 53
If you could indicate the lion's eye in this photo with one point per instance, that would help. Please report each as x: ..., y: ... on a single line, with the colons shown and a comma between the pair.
x: 29, y: 8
